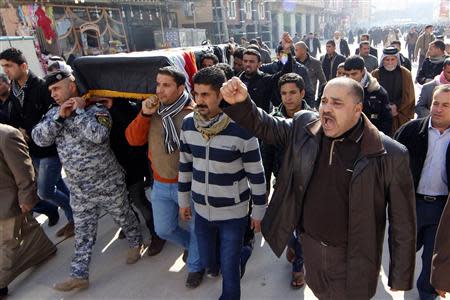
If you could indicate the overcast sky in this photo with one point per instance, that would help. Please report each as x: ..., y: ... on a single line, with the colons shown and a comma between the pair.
x: 385, y: 4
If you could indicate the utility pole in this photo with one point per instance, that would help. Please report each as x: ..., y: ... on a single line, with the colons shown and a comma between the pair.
x: 162, y: 25
x: 193, y: 14
x: 221, y: 21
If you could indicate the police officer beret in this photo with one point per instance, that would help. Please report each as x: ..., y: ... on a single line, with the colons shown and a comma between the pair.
x: 55, y: 58
x: 56, y: 76
x: 59, y: 65
x: 390, y: 51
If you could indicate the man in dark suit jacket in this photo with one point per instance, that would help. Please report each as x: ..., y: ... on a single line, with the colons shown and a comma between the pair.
x: 341, y: 45
x: 331, y: 60
x: 5, y: 104
x: 426, y: 94
x: 427, y: 141
x: 373, y: 51
x: 313, y: 44
x: 404, y: 61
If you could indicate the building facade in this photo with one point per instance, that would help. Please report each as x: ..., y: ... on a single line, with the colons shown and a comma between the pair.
x: 89, y: 27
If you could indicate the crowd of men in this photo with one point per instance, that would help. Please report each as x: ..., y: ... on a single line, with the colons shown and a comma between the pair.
x: 332, y: 140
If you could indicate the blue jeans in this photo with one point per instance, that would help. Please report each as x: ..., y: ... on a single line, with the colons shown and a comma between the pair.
x: 46, y: 208
x: 50, y: 185
x: 294, y: 243
x: 231, y: 235
x: 164, y: 198
x: 428, y: 216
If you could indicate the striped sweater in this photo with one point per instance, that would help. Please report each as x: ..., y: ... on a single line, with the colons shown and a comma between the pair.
x: 222, y: 174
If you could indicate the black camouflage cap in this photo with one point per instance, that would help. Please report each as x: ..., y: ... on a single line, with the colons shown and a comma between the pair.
x: 56, y: 76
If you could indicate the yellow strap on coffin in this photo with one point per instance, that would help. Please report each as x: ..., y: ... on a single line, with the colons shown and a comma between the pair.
x: 116, y: 94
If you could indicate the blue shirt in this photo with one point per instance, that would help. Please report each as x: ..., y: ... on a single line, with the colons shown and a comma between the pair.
x: 433, y: 180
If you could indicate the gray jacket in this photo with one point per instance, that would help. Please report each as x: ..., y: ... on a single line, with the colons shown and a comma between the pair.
x: 422, y: 44
x: 315, y: 72
x: 425, y: 98
x: 371, y: 62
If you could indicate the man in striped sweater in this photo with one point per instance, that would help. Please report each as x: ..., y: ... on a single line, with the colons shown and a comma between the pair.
x: 221, y: 171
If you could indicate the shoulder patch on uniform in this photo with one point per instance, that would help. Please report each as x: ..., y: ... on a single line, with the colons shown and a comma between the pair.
x: 103, y: 119
x: 54, y: 104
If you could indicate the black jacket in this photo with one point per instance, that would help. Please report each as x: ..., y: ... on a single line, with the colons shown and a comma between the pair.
x: 376, y: 106
x: 429, y: 70
x: 414, y: 135
x: 37, y: 101
x: 316, y: 46
x: 132, y: 159
x: 343, y: 46
x: 263, y: 87
x: 330, y: 65
x: 405, y: 62
x: 5, y: 111
x: 272, y: 155
x: 3, y: 118
x: 297, y: 68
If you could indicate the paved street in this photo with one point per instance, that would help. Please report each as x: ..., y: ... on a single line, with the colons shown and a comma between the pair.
x: 163, y: 276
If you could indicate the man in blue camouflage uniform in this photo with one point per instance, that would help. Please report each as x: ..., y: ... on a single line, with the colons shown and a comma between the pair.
x: 94, y: 176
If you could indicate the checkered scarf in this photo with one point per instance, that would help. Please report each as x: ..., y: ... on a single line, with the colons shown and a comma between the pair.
x: 167, y: 112
x: 18, y: 92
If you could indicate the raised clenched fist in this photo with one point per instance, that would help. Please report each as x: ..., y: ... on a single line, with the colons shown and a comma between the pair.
x: 234, y: 91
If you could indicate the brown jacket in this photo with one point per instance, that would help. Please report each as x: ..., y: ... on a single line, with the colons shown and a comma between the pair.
x: 440, y: 276
x: 406, y: 109
x: 381, y: 179
x: 422, y: 44
x: 17, y: 184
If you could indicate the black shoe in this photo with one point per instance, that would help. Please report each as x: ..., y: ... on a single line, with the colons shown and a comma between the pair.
x: 3, y: 292
x: 185, y: 256
x: 53, y: 220
x: 156, y: 246
x: 194, y: 279
x: 212, y: 273
x: 121, y: 235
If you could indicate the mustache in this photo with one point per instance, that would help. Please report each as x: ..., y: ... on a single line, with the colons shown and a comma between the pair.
x: 328, y: 115
x: 202, y: 106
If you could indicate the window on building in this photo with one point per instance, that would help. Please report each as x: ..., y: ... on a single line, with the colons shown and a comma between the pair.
x: 231, y: 9
x: 261, y: 10
x: 248, y: 9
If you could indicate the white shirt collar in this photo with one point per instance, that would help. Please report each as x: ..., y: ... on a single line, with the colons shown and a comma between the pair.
x: 430, y: 127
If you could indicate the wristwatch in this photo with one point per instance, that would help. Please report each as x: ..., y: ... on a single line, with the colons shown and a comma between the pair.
x: 58, y: 119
